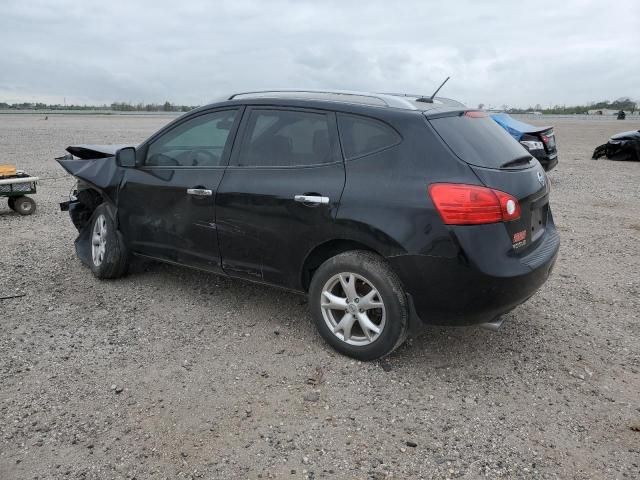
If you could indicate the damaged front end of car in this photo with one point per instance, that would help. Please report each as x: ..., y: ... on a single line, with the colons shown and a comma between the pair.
x: 98, y: 177
x: 624, y: 146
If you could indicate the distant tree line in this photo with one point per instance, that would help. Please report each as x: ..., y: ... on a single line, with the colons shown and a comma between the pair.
x: 625, y: 104
x: 115, y: 106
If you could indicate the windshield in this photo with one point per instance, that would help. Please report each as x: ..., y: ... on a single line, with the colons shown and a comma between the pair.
x: 478, y: 140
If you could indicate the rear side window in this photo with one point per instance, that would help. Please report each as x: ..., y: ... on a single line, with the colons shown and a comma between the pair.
x: 478, y: 140
x: 362, y: 136
x: 283, y: 138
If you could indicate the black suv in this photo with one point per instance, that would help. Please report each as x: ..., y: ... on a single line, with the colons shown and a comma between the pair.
x: 383, y: 208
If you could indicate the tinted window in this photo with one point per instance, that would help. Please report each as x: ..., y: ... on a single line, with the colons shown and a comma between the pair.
x: 196, y: 142
x: 478, y: 140
x: 286, y: 138
x: 361, y: 135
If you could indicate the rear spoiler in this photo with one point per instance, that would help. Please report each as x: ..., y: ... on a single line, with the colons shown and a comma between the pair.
x: 537, y: 129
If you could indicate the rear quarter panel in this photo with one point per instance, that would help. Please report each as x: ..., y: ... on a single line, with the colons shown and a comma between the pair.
x: 386, y: 202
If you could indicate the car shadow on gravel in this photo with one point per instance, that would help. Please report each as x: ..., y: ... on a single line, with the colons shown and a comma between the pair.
x: 521, y: 338
x: 439, y: 347
x: 6, y: 212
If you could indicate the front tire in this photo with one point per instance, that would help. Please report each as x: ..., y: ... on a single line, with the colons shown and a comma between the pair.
x: 358, y: 305
x: 109, y: 258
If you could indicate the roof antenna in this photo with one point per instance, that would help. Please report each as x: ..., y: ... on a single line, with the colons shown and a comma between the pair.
x: 430, y: 99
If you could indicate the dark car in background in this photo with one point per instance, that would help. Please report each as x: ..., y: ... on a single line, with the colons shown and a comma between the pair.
x: 383, y: 209
x: 622, y: 146
x: 539, y: 141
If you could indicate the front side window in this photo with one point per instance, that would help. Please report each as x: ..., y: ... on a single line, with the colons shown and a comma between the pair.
x: 198, y: 142
x: 281, y: 138
x: 362, y: 136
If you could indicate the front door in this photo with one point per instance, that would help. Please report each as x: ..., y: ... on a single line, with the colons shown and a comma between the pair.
x: 166, y: 206
x: 280, y: 194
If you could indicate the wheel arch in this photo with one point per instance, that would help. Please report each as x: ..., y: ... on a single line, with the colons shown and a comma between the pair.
x: 89, y: 198
x: 324, y: 251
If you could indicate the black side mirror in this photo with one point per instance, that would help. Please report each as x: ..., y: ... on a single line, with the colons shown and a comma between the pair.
x: 126, y: 157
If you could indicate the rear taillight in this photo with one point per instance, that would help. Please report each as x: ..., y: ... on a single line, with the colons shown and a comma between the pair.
x: 475, y: 114
x: 460, y: 204
x: 546, y: 136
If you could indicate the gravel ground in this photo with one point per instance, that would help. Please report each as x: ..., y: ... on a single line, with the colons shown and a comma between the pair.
x: 171, y: 373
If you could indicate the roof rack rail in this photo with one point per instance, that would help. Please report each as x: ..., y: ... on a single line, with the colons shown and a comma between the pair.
x: 443, y: 100
x: 383, y: 99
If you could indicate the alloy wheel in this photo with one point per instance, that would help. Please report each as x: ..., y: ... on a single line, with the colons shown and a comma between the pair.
x: 353, y: 309
x: 99, y: 240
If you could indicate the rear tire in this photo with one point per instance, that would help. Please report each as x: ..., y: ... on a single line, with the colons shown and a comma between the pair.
x: 24, y: 205
x: 359, y: 305
x: 109, y: 257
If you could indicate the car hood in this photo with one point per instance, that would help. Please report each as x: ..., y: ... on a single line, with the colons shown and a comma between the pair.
x: 633, y: 134
x: 94, y: 151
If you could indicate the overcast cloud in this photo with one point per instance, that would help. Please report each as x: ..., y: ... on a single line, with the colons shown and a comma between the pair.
x: 192, y: 51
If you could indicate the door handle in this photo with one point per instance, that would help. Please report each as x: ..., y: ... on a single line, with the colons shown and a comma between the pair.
x: 200, y: 192
x: 311, y: 199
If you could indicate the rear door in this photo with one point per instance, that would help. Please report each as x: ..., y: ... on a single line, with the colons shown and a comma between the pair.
x: 280, y: 194
x: 166, y: 206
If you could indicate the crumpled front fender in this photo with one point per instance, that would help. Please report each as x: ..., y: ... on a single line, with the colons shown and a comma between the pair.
x: 101, y: 173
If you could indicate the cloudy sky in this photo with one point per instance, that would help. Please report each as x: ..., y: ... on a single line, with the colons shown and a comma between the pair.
x: 192, y: 51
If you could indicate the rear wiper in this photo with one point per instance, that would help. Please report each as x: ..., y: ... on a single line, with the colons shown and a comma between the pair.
x: 518, y: 161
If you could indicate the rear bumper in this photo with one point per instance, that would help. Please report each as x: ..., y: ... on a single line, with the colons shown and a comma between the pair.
x: 463, y: 291
x: 548, y: 161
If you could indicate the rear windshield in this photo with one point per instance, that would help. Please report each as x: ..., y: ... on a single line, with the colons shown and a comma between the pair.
x: 478, y: 140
